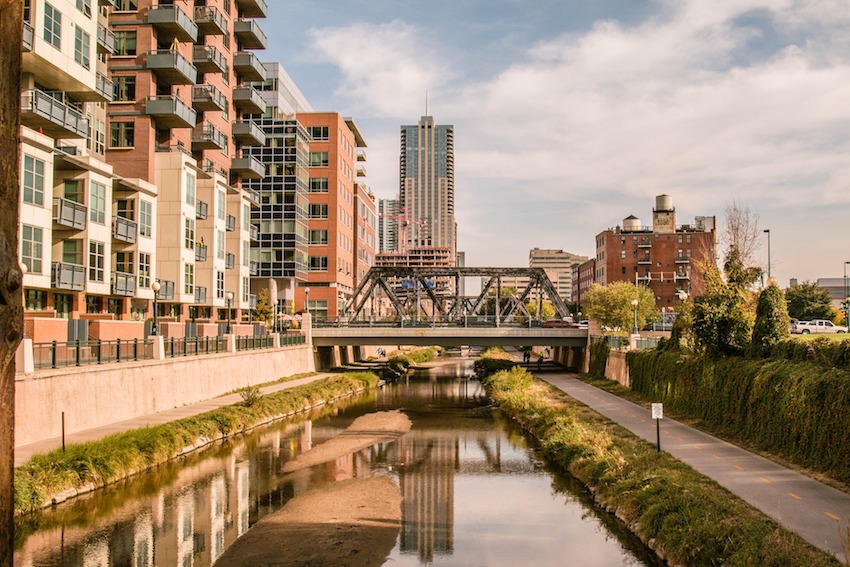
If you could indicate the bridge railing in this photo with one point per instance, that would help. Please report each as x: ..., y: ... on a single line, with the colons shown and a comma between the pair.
x: 467, y: 321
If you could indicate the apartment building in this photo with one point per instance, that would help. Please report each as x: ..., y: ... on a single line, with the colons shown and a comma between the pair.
x: 558, y: 266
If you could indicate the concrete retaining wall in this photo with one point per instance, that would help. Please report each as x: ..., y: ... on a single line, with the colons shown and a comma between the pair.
x: 617, y: 369
x: 93, y: 396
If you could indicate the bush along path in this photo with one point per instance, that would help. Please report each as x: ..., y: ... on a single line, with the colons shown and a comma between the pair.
x: 53, y: 477
x: 684, y: 516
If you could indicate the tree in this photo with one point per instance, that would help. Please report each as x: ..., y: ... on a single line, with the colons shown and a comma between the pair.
x: 741, y: 232
x: 11, y: 296
x: 547, y: 310
x: 772, y: 320
x: 263, y: 311
x: 807, y: 301
x: 611, y: 305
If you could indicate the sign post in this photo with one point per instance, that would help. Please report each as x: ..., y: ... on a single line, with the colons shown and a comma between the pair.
x: 658, y: 415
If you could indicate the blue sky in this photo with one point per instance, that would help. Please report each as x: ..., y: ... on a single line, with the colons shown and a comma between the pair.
x: 571, y: 115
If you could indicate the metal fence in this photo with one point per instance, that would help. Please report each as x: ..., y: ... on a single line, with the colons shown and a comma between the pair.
x: 78, y: 353
x: 190, y: 346
x: 248, y: 342
x: 624, y: 343
x: 292, y: 339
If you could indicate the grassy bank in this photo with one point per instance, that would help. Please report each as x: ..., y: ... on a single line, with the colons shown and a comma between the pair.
x: 82, y: 467
x: 686, y: 517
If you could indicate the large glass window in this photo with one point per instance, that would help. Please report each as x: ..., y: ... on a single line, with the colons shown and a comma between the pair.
x: 52, y: 26
x: 318, y: 132
x: 188, y: 278
x: 190, y: 189
x: 219, y: 285
x: 318, y: 264
x: 318, y: 237
x: 33, y: 180
x: 122, y: 135
x: 82, y: 47
x: 31, y: 248
x: 127, y: 6
x: 96, y: 261
x: 318, y: 159
x: 97, y: 202
x: 318, y: 211
x: 189, y: 234
x: 84, y: 6
x: 145, y: 218
x: 221, y: 205
x: 319, y: 185
x: 144, y: 270
x: 124, y: 89
x: 125, y: 43
x: 219, y: 244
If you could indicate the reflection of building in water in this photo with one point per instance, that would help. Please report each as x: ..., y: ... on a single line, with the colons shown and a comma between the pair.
x: 217, y: 500
x: 243, y: 500
x: 185, y: 528
x: 143, y: 540
x: 427, y: 485
x: 96, y: 553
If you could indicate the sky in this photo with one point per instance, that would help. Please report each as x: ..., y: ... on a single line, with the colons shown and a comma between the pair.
x: 571, y: 115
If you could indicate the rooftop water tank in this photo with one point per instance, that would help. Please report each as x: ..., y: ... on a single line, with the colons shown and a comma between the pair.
x: 631, y: 224
x: 664, y: 203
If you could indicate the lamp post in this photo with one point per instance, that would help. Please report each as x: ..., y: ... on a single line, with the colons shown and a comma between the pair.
x: 229, y: 297
x: 846, y: 296
x: 634, y: 305
x: 24, y: 270
x: 155, y: 287
x: 307, y: 300
x: 769, y: 282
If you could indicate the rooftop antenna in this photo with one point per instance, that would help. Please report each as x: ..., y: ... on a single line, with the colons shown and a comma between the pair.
x: 426, y: 103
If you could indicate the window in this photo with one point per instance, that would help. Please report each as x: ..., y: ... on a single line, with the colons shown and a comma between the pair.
x: 219, y: 244
x: 246, y: 217
x: 221, y: 205
x: 318, y: 132
x: 96, y: 260
x: 189, y: 234
x: 35, y: 299
x: 319, y: 185
x: 318, y: 211
x: 127, y: 6
x: 317, y: 237
x: 190, y: 189
x: 145, y: 217
x: 219, y: 285
x: 71, y: 252
x: 33, y: 180
x: 124, y: 262
x: 121, y: 135
x: 246, y: 252
x: 84, y: 6
x: 188, y: 278
x: 246, y: 289
x: 125, y: 43
x: 124, y: 89
x: 82, y: 44
x: 52, y: 26
x: 31, y: 248
x: 144, y: 270
x: 318, y: 264
x: 99, y: 136
x: 94, y: 304
x: 318, y: 159
x: 97, y: 203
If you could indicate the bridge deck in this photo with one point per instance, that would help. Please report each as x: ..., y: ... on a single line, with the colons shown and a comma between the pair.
x: 449, y: 336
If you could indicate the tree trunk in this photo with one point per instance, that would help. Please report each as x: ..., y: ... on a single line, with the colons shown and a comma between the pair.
x: 11, y: 305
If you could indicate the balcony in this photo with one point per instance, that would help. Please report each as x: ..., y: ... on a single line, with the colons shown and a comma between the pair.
x: 208, y: 98
x: 69, y: 214
x: 230, y: 223
x: 28, y: 38
x: 683, y: 260
x: 644, y: 243
x: 170, y: 112
x: 254, y: 196
x: 252, y: 301
x: 124, y: 230
x: 248, y: 67
x: 249, y: 35
x: 123, y: 284
x: 229, y: 261
x: 201, y: 210
x: 104, y: 87
x: 166, y: 290
x: 253, y: 8
x: 645, y: 261
x: 208, y: 137
x: 248, y: 167
x: 254, y: 268
x: 248, y: 100
x: 208, y: 59
x: 171, y: 68
x: 200, y: 252
x: 105, y: 40
x: 254, y: 232
x: 57, y: 119
x: 361, y: 154
x: 171, y: 22
x: 361, y: 171
x: 200, y: 294
x: 110, y: 3
x: 248, y: 133
x: 210, y: 21
x: 71, y: 277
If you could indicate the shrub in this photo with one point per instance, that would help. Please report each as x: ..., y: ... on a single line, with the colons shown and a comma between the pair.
x: 599, y: 358
x: 250, y: 395
x: 772, y: 320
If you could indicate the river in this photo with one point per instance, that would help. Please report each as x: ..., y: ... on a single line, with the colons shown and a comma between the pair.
x: 474, y: 493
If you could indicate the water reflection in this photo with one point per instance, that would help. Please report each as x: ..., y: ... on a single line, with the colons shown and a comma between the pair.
x: 473, y: 494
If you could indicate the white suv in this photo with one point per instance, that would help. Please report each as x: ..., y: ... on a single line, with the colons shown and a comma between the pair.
x: 816, y: 326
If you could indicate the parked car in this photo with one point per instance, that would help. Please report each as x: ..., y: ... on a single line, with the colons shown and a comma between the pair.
x: 583, y: 324
x: 560, y: 324
x: 816, y: 326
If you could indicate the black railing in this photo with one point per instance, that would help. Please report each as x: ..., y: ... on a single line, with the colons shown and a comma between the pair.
x: 292, y: 339
x: 79, y: 353
x: 248, y: 342
x: 185, y: 346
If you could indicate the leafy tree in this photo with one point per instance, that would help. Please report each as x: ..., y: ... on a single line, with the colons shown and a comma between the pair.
x: 547, y: 310
x: 263, y: 311
x: 611, y: 305
x: 772, y: 320
x: 807, y: 301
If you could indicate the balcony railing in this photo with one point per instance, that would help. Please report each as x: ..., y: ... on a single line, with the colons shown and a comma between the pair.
x: 248, y: 167
x: 252, y: 301
x: 248, y: 66
x: 166, y: 290
x: 200, y: 252
x: 171, y: 21
x: 253, y: 194
x: 105, y: 40
x: 28, y: 37
x: 249, y: 34
x: 200, y: 294
x: 229, y: 261
x: 68, y: 276
x: 123, y: 284
x: 171, y: 67
x: 253, y: 8
x: 55, y: 117
x: 254, y: 268
x: 248, y: 133
x: 201, y: 210
x: 208, y: 137
x: 208, y: 59
x: 124, y: 230
x: 230, y: 223
x: 210, y: 21
x: 104, y: 87
x: 248, y: 100
x: 69, y: 214
x: 208, y: 98
x: 254, y: 232
x: 170, y: 112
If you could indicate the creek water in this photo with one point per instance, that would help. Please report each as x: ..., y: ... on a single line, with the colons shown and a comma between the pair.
x: 474, y: 492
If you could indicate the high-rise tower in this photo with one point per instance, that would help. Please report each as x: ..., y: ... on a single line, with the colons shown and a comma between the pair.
x: 427, y: 185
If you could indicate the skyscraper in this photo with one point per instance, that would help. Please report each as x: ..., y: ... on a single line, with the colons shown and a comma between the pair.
x: 427, y: 185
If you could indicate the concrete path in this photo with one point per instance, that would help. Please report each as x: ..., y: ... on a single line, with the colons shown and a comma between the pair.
x: 24, y: 452
x: 812, y: 509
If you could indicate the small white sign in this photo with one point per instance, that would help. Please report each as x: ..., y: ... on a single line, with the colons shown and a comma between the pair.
x: 657, y: 411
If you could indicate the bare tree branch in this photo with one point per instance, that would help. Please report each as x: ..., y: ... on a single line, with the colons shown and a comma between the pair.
x: 741, y: 231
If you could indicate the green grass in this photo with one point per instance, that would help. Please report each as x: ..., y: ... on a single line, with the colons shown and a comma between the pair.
x: 693, y: 520
x: 123, y: 454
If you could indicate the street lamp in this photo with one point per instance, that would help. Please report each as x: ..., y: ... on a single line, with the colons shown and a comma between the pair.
x: 634, y: 305
x: 307, y: 300
x: 155, y: 286
x: 24, y: 270
x: 229, y: 297
x: 769, y: 282
x: 846, y: 296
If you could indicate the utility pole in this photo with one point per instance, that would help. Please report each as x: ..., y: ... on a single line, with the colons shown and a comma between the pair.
x: 11, y: 300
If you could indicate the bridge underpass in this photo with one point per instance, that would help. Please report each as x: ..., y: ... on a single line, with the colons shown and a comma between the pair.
x: 449, y: 336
